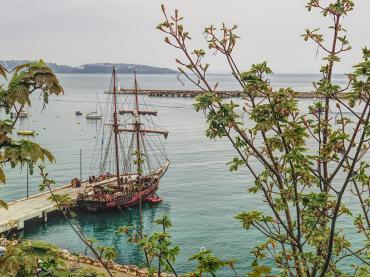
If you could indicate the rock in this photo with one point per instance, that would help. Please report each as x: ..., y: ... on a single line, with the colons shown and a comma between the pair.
x: 72, y: 258
x: 133, y: 269
x: 89, y: 260
x: 63, y: 255
x: 120, y: 268
x: 142, y: 272
x: 125, y: 268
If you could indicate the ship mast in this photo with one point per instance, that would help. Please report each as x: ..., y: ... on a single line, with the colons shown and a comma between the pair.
x: 115, y: 125
x: 137, y: 129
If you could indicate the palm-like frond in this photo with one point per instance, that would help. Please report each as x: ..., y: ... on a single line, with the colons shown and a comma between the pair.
x: 22, y: 66
x: 29, y: 77
x: 3, y: 71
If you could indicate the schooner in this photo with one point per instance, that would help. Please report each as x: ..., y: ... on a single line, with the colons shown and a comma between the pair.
x: 131, y: 159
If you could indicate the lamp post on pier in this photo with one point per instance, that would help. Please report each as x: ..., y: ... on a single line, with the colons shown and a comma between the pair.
x: 27, y: 182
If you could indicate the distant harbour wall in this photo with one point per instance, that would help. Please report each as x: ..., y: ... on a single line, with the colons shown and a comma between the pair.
x: 194, y: 93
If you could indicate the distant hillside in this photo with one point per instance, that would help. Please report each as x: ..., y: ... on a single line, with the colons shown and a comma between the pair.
x: 98, y: 68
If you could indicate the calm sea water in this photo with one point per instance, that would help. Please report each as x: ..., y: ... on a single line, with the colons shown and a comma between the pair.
x: 201, y: 195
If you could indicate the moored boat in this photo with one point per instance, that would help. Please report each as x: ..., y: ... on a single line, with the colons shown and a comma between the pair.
x: 22, y: 114
x: 94, y: 115
x: 133, y: 149
x: 26, y: 132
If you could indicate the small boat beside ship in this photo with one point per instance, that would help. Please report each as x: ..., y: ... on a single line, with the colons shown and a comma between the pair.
x: 131, y: 147
x: 155, y: 199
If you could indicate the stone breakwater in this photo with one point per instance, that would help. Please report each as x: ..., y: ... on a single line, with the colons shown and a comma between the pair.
x: 194, y: 93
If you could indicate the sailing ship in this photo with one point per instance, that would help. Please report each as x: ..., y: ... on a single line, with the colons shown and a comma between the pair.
x: 131, y: 159
x: 95, y: 115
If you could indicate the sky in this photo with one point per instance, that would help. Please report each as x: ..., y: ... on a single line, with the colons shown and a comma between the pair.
x: 75, y: 32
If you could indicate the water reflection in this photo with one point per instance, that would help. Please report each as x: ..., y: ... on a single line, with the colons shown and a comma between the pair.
x: 99, y: 226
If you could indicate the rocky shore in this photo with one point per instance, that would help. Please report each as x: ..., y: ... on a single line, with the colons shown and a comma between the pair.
x: 84, y: 261
x: 129, y: 270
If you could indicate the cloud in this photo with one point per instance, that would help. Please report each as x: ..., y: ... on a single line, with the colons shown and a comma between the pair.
x: 75, y: 32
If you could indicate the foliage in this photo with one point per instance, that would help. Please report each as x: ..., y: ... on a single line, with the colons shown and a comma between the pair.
x: 139, y: 161
x: 23, y: 258
x: 37, y: 258
x: 15, y: 95
x: 303, y: 162
x: 155, y: 246
x: 64, y: 203
x: 208, y: 263
x: 30, y: 258
x: 158, y: 246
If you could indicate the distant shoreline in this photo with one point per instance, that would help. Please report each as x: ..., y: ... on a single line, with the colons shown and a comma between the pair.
x: 209, y: 74
x: 110, y: 73
x: 124, y: 68
x: 97, y: 68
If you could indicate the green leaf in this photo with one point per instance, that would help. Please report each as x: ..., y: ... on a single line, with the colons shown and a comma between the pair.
x: 48, y: 155
x: 3, y: 71
x: 249, y: 218
x: 235, y: 163
x: 259, y: 271
x: 3, y: 204
x: 2, y: 176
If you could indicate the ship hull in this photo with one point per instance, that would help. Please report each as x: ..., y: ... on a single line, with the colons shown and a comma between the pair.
x: 119, y: 202
x: 127, y: 195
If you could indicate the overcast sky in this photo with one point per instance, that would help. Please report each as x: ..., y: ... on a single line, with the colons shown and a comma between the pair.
x: 75, y: 32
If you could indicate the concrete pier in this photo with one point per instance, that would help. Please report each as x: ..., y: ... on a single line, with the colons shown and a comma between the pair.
x: 36, y: 206
x: 194, y: 93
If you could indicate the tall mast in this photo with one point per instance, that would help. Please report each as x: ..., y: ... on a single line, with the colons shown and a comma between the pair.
x: 115, y: 125
x: 137, y: 129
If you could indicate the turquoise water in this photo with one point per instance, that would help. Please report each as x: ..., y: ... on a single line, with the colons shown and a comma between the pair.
x: 201, y: 195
